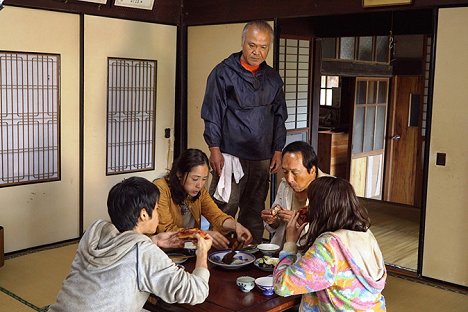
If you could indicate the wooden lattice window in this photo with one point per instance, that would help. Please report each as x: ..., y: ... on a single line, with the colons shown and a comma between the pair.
x: 131, y: 115
x: 294, y: 70
x: 29, y: 116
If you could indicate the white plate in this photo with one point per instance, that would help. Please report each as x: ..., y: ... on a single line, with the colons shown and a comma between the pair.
x: 241, y: 259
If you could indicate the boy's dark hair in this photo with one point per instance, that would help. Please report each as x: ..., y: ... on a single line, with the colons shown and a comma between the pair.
x: 189, y: 159
x: 309, y: 158
x: 333, y: 205
x: 127, y: 198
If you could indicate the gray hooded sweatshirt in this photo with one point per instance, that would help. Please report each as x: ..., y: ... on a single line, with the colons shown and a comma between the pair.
x: 115, y: 271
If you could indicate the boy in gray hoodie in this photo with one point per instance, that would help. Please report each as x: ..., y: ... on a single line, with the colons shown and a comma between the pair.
x: 119, y: 264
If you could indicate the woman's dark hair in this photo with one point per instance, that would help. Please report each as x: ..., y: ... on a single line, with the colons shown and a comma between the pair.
x: 127, y: 198
x: 333, y: 205
x: 189, y: 159
x: 309, y: 158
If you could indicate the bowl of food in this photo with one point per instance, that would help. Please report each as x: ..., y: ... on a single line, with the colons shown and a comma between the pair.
x: 268, y: 249
x: 239, y: 260
x: 266, y: 263
x: 265, y: 284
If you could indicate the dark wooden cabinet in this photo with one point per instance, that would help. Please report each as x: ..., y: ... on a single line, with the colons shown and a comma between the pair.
x: 333, y: 153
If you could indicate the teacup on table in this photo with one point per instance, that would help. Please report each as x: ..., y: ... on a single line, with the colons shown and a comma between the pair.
x: 190, y: 248
x: 268, y: 249
x: 245, y: 283
x: 265, y: 284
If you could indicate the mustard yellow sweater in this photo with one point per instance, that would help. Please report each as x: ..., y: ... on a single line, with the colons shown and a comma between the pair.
x: 170, y: 218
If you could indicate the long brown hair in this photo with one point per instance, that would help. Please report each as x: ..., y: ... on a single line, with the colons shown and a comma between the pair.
x: 333, y: 205
x: 189, y: 159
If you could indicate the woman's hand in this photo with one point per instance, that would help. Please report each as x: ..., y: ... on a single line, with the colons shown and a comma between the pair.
x: 293, y: 229
x: 243, y: 234
x: 219, y: 241
x: 167, y: 240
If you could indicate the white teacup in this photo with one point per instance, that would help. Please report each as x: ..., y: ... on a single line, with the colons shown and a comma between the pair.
x: 190, y: 248
x: 245, y: 283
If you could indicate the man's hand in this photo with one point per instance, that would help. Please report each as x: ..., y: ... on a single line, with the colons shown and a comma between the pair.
x: 219, y: 241
x: 216, y: 160
x: 203, y: 244
x: 269, y: 217
x: 293, y: 229
x: 275, y: 163
x: 285, y: 215
x: 167, y: 240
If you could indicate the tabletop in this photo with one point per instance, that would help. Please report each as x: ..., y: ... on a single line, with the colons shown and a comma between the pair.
x: 225, y: 296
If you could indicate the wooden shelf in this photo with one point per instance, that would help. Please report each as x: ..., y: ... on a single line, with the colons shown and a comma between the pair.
x: 333, y: 153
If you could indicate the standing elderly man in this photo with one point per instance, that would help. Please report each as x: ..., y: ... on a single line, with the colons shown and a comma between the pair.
x: 244, y: 113
x: 300, y: 169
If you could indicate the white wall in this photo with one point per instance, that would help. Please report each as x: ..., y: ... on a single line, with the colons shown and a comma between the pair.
x: 108, y: 37
x: 446, y: 235
x: 207, y: 46
x: 42, y: 213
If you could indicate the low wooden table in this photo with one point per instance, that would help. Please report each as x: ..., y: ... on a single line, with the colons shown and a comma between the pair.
x: 225, y: 296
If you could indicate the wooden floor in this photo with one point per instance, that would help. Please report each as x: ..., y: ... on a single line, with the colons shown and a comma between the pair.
x: 31, y: 282
x: 396, y: 228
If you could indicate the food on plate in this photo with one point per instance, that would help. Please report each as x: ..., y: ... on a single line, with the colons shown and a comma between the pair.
x: 303, y: 215
x: 229, y: 257
x: 267, y: 262
x: 275, y: 210
x: 190, y: 234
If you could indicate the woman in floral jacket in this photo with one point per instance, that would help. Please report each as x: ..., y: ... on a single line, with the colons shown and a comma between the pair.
x: 342, y: 268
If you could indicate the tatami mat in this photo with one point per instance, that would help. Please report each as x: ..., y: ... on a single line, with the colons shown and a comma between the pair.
x: 9, y: 304
x: 406, y: 296
x: 37, y: 277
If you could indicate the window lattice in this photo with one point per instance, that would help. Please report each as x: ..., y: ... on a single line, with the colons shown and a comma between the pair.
x: 294, y: 70
x: 131, y: 118
x: 29, y: 101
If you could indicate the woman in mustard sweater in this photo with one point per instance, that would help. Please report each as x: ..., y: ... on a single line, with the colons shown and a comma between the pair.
x: 184, y: 200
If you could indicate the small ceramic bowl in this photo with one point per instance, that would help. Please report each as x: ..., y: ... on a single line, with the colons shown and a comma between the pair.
x: 266, y: 285
x: 268, y: 249
x: 190, y: 248
x: 245, y: 283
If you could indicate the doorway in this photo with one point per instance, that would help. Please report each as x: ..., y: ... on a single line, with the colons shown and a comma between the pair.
x: 381, y: 122
x: 386, y: 162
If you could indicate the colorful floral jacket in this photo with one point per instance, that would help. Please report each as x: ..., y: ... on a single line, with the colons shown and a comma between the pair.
x: 331, y: 277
